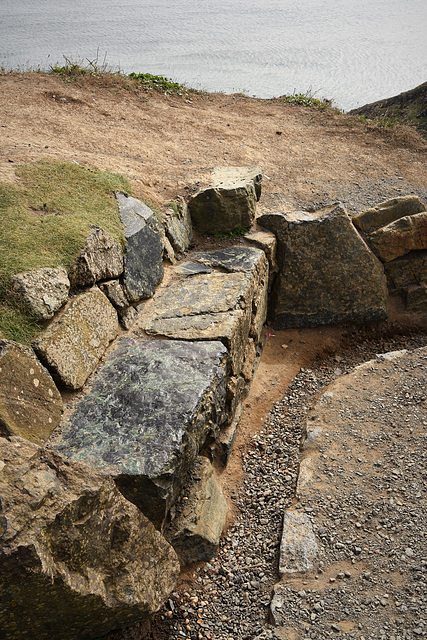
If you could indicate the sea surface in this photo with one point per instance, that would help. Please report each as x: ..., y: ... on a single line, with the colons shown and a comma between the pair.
x: 350, y: 51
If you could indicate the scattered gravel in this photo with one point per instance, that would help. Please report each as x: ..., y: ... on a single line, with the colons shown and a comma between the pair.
x: 229, y: 598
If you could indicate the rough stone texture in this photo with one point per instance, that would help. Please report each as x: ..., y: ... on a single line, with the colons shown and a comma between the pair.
x: 298, y: 547
x: 143, y: 268
x: 76, y: 559
x: 220, y: 209
x: 386, y: 212
x: 73, y: 344
x: 242, y: 176
x: 100, y: 259
x: 178, y: 226
x: 30, y: 403
x: 128, y: 317
x: 200, y: 519
x: 225, y: 442
x: 149, y: 411
x: 407, y: 280
x: 268, y: 243
x: 190, y: 268
x: 327, y: 273
x: 44, y: 290
x: 400, y: 237
x: 114, y: 292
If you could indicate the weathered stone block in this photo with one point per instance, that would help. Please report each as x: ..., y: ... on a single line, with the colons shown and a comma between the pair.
x: 44, y: 290
x: 30, y: 403
x: 400, y: 237
x: 298, y: 548
x: 114, y: 292
x: 327, y: 273
x: 100, y: 259
x: 200, y: 519
x: 229, y: 202
x: 266, y: 241
x: 73, y: 344
x: 386, y: 212
x: 178, y: 226
x: 146, y: 416
x: 77, y: 560
x: 227, y: 437
x: 143, y: 268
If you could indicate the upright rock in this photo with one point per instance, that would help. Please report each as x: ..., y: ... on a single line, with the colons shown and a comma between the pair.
x: 149, y: 411
x: 100, y: 259
x: 327, y: 273
x: 73, y: 344
x: 178, y: 226
x: 77, y: 560
x: 143, y: 269
x: 229, y: 202
x: 30, y: 403
x: 44, y: 290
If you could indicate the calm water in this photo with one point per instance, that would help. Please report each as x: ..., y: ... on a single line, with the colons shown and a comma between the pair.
x: 352, y: 51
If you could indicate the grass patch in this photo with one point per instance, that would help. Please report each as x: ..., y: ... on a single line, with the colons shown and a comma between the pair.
x: 44, y: 222
x: 307, y: 100
x: 235, y: 233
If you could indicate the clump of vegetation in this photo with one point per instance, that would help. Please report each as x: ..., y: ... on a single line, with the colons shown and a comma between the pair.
x: 159, y: 83
x: 238, y: 231
x: 44, y: 222
x: 307, y: 100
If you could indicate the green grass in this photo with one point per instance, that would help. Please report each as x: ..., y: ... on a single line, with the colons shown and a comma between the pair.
x: 238, y: 231
x: 308, y: 100
x: 44, y: 222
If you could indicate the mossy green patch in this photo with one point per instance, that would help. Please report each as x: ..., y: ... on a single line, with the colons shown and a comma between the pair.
x: 44, y: 222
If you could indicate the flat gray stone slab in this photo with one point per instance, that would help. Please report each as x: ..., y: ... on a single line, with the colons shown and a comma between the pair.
x: 149, y: 411
x: 190, y: 268
x: 238, y: 176
x: 231, y: 259
x: 143, y: 266
x: 298, y: 548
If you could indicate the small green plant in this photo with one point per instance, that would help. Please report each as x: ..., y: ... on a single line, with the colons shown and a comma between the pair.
x: 308, y: 100
x: 238, y: 231
x: 159, y: 83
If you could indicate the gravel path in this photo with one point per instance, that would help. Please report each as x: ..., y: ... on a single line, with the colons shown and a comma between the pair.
x: 229, y: 598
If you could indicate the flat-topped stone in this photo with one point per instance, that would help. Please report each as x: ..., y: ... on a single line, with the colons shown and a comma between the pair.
x: 73, y: 343
x: 400, y: 237
x: 233, y: 259
x: 386, y: 212
x: 30, y: 403
x: 143, y: 266
x: 237, y: 176
x: 146, y: 416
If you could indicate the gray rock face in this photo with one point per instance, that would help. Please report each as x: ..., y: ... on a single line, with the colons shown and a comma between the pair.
x: 143, y: 269
x: 327, y: 273
x: 30, y: 403
x: 100, y: 259
x: 114, y: 292
x: 407, y: 280
x: 298, y: 548
x: 178, y: 226
x: 399, y: 237
x: 229, y: 203
x: 386, y: 212
x: 73, y: 344
x: 44, y: 290
x: 77, y: 560
x: 149, y: 411
x: 200, y: 519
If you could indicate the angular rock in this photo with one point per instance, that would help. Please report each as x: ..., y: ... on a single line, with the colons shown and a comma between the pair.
x: 190, y: 268
x: 327, y: 273
x: 266, y: 241
x: 100, y: 259
x: 200, y: 519
x: 73, y: 344
x: 77, y: 560
x: 143, y: 268
x: 30, y: 404
x: 114, y: 292
x: 229, y: 203
x: 416, y: 299
x: 149, y: 411
x: 128, y: 317
x: 224, y: 176
x: 407, y: 271
x: 298, y: 547
x: 386, y: 212
x: 400, y: 237
x: 178, y: 226
x: 225, y: 442
x: 44, y: 290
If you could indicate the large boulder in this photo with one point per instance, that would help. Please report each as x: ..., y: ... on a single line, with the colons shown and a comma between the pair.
x: 386, y: 212
x: 148, y: 413
x: 327, y: 272
x: 143, y: 268
x: 30, y: 403
x: 100, y: 259
x: 399, y: 237
x: 77, y: 560
x: 43, y: 291
x: 73, y: 344
x: 200, y: 515
x: 229, y: 202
